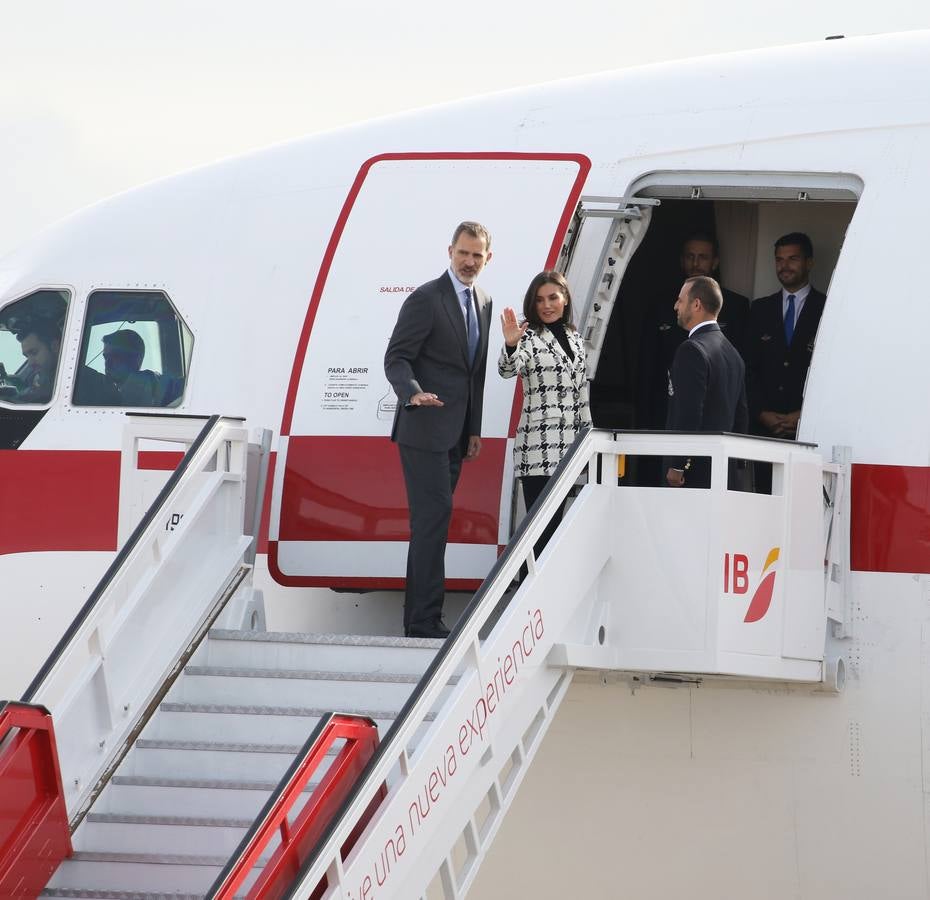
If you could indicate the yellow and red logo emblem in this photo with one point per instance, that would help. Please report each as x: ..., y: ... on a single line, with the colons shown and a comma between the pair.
x: 736, y: 581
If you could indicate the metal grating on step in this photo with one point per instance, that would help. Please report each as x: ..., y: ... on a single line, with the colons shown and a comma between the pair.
x: 309, y: 675
x: 219, y: 747
x: 345, y: 640
x: 308, y: 712
x: 223, y: 784
x: 81, y: 893
x: 160, y: 859
x: 194, y: 821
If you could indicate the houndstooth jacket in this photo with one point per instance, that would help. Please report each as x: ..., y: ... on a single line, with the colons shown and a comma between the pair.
x: 555, y: 399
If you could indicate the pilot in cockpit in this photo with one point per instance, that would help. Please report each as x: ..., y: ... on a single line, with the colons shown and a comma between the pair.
x: 123, y: 381
x: 40, y: 342
x: 123, y: 352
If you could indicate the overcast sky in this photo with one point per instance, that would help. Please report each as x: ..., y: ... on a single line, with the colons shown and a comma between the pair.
x: 101, y: 95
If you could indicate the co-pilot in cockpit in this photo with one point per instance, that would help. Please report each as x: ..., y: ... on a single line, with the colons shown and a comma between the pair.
x: 30, y: 345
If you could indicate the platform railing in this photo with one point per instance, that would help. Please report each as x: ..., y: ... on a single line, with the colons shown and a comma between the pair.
x: 292, y: 825
x: 177, y: 569
x: 34, y: 833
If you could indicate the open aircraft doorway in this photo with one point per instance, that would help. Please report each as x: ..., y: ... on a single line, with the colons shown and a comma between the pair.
x: 623, y: 257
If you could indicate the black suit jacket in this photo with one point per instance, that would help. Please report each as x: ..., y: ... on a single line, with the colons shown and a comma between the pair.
x: 707, y: 390
x: 776, y: 372
x: 428, y: 351
x: 662, y: 336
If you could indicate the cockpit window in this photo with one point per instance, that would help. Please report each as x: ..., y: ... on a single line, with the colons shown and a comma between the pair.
x: 135, y: 351
x: 30, y: 346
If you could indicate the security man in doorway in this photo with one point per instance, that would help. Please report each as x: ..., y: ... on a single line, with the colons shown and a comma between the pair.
x: 699, y: 256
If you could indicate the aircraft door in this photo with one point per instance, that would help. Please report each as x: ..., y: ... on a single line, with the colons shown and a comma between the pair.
x: 339, y: 509
x: 600, y: 242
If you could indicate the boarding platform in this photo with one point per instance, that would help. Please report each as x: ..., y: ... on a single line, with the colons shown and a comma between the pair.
x: 719, y: 581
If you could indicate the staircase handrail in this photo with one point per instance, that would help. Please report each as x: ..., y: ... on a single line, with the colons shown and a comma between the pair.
x: 104, y: 679
x: 34, y: 833
x: 120, y: 559
x: 299, y: 834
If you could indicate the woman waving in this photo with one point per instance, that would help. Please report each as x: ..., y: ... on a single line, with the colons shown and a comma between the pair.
x: 548, y: 354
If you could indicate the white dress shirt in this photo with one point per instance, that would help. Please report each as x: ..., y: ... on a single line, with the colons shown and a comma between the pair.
x: 460, y: 293
x: 701, y: 325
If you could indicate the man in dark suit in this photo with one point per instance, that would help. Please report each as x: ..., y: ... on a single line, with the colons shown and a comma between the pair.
x: 700, y: 255
x: 435, y: 361
x: 782, y: 330
x: 707, y: 388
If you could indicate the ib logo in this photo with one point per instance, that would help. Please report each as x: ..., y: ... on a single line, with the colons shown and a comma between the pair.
x: 736, y: 581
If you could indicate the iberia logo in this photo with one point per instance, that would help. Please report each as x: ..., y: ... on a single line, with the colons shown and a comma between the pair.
x: 736, y: 581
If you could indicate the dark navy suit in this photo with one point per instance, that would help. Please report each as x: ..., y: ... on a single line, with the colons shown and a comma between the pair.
x: 662, y: 336
x: 707, y: 392
x: 777, y: 372
x: 428, y: 352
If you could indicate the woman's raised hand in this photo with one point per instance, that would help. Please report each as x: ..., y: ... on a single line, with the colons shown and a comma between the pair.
x: 512, y: 329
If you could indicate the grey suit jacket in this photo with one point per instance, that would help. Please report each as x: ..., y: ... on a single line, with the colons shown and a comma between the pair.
x: 428, y: 351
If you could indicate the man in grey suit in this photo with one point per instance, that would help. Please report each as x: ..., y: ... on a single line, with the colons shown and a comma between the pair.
x: 707, y: 381
x: 435, y: 361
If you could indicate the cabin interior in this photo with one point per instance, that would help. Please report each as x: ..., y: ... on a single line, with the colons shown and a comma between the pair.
x: 746, y: 224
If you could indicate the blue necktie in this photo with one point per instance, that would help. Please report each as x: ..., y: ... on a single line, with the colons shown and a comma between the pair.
x: 789, y: 320
x: 471, y: 327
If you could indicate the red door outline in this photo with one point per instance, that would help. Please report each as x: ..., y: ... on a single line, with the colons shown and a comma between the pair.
x: 584, y: 167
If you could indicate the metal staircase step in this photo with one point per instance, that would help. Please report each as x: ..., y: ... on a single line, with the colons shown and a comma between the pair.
x: 330, y: 652
x: 304, y: 674
x: 135, y: 794
x: 323, y: 638
x: 205, y: 759
x: 116, y: 895
x: 163, y: 798
x: 84, y: 894
x: 167, y: 835
x: 218, y: 822
x: 289, y: 687
x: 141, y: 875
x: 216, y: 784
x: 222, y: 746
x: 203, y: 721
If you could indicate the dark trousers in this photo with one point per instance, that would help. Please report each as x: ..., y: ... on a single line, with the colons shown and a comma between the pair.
x: 430, y: 477
x: 532, y: 487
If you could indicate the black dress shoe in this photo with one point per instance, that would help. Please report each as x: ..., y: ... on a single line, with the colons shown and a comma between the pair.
x: 433, y: 629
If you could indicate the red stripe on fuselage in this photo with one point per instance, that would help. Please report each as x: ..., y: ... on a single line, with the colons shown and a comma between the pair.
x: 58, y: 500
x: 890, y: 520
x: 159, y: 460
x: 355, y: 584
x: 352, y: 489
x: 67, y: 500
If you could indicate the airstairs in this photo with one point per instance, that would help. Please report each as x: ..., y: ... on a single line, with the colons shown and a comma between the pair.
x: 220, y: 742
x: 198, y: 754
